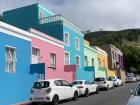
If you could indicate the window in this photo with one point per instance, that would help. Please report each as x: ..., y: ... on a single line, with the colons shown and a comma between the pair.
x: 103, y: 63
x: 86, y: 61
x: 53, y: 60
x: 65, y: 83
x: 40, y: 77
x: 113, y: 54
x: 11, y: 59
x: 99, y: 62
x: 58, y: 83
x: 67, y: 58
x: 92, y: 61
x: 66, y: 39
x: 77, y: 44
x: 78, y: 61
x: 35, y: 55
x: 87, y: 83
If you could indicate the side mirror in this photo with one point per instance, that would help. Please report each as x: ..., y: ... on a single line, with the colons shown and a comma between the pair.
x: 131, y: 91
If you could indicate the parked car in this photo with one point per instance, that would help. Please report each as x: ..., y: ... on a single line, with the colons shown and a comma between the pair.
x: 104, y: 82
x: 130, y: 79
x: 116, y: 81
x: 85, y: 87
x: 135, y: 97
x: 53, y: 91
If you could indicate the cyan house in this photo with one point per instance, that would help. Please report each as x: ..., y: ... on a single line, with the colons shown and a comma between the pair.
x: 90, y: 60
x: 37, y: 17
x: 15, y: 78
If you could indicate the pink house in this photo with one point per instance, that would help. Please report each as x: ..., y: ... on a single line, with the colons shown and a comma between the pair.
x: 50, y: 52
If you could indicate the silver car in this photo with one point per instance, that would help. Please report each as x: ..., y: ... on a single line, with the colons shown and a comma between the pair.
x: 135, y: 97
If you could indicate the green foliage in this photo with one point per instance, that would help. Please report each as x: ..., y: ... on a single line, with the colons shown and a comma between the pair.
x: 131, y: 53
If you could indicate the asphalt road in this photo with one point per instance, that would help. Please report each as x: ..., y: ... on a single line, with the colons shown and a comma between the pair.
x: 117, y: 96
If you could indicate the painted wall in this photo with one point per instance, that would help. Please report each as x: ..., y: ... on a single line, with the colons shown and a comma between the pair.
x: 16, y: 86
x: 91, y: 53
x: 45, y: 50
x: 103, y: 67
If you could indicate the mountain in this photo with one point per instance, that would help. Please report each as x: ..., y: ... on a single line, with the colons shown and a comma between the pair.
x: 128, y: 41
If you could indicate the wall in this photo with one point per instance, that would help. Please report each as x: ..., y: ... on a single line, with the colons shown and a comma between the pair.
x: 45, y: 50
x: 16, y: 86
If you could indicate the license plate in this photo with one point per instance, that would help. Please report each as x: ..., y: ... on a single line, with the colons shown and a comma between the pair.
x: 39, y: 99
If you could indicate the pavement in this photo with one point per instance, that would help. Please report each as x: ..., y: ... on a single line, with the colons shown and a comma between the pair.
x: 117, y: 96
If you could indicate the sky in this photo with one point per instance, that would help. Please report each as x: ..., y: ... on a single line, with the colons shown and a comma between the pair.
x: 89, y: 14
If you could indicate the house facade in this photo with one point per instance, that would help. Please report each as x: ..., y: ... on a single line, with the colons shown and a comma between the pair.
x: 57, y: 26
x: 102, y: 60
x: 115, y: 59
x: 90, y: 60
x: 15, y: 61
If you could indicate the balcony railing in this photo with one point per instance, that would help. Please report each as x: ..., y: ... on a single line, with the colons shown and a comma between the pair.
x: 102, y: 68
x: 59, y: 17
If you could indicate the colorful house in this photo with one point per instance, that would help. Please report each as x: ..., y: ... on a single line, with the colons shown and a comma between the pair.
x: 37, y: 17
x: 102, y: 62
x: 15, y: 77
x: 115, y: 58
x: 90, y: 59
x: 47, y: 56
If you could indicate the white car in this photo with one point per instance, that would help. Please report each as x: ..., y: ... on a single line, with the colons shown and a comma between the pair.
x: 130, y: 79
x: 53, y: 91
x: 135, y: 97
x: 104, y: 82
x: 85, y: 87
x: 116, y: 81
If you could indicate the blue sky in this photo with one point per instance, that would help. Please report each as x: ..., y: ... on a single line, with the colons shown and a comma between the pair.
x: 89, y: 14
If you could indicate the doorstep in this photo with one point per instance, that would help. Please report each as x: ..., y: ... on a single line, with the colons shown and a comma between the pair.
x: 23, y: 103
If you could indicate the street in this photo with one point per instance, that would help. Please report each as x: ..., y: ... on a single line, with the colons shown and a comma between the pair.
x: 117, y: 96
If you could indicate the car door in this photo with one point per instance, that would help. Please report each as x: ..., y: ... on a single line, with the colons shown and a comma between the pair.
x: 59, y: 89
x: 89, y: 86
x: 94, y: 87
x: 68, y: 91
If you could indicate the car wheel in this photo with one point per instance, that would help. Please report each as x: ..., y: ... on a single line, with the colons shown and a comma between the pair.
x: 75, y: 97
x: 107, y: 88
x: 55, y: 100
x: 97, y: 90
x: 86, y: 93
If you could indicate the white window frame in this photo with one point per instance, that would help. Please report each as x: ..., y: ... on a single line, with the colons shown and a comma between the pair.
x: 64, y: 57
x: 53, y: 64
x: 79, y: 61
x: 68, y: 44
x: 13, y: 59
x: 37, y: 57
x: 77, y: 43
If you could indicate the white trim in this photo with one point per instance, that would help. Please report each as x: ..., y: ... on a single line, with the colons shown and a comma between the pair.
x: 13, y: 31
x: 68, y: 38
x: 10, y: 47
x: 44, y: 37
x: 79, y: 60
x: 64, y: 57
x: 78, y: 44
x: 101, y: 51
x: 40, y: 6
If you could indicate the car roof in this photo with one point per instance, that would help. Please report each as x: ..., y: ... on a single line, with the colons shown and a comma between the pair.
x: 51, y: 80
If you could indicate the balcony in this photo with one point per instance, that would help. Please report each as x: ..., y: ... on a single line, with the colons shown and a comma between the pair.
x: 59, y: 17
x: 102, y: 68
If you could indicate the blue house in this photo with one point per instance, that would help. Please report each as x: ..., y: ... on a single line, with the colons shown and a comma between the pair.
x: 37, y: 17
x: 15, y: 78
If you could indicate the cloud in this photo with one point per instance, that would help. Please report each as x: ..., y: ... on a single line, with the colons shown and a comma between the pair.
x: 89, y: 14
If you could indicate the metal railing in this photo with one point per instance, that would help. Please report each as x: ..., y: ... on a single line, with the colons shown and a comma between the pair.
x: 58, y: 17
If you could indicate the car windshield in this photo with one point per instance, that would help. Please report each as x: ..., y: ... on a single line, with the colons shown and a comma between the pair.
x: 99, y: 79
x: 77, y: 82
x: 42, y: 84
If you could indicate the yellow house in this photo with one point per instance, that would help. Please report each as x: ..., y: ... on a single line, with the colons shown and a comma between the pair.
x: 102, y: 58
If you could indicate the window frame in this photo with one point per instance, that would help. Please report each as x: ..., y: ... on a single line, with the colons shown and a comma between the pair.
x: 67, y: 44
x: 12, y: 60
x: 54, y: 63
x: 38, y: 57
x: 77, y: 44
x: 64, y: 58
x: 79, y: 61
